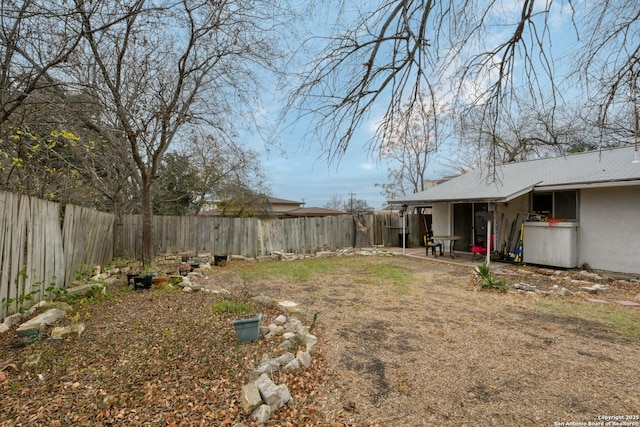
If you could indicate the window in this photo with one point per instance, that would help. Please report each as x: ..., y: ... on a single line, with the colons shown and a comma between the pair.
x: 557, y: 204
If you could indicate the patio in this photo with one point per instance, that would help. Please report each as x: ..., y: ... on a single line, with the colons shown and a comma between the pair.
x: 461, y: 258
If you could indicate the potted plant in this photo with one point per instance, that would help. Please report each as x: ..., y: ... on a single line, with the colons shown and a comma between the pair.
x: 220, y: 260
x: 144, y: 280
x: 160, y: 281
x: 184, y: 269
x: 247, y: 326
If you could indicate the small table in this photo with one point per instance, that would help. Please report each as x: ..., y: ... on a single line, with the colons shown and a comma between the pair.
x: 452, y: 242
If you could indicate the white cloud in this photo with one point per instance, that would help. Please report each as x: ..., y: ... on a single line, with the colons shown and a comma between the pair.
x: 367, y: 166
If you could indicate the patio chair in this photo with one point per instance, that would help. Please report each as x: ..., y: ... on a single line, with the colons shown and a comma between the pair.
x: 479, y: 250
x: 436, y: 247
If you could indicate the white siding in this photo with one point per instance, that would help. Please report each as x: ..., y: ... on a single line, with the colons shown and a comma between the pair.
x: 609, y: 232
x: 441, y: 214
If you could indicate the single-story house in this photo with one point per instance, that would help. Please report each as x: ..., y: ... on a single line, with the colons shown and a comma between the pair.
x: 571, y: 210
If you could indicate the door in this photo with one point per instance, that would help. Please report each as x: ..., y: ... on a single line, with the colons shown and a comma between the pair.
x: 470, y: 223
x: 463, y: 225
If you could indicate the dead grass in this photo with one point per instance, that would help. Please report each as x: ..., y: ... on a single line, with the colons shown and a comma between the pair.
x: 401, y: 342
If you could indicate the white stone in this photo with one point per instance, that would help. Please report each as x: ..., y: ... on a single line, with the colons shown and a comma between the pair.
x: 250, y: 398
x: 294, y: 325
x: 276, y: 396
x: 37, y: 306
x: 261, y: 414
x: 294, y: 365
x: 285, y: 345
x: 310, y: 341
x: 286, y: 358
x: 281, y: 320
x: 13, y: 320
x: 288, y: 307
x: 48, y: 318
x: 304, y: 358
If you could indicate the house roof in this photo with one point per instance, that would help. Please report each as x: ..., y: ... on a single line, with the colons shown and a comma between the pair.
x: 604, y: 168
x: 277, y: 201
x: 313, y: 211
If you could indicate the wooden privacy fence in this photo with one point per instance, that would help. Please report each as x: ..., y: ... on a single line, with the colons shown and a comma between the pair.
x: 387, y: 229
x: 41, y: 245
x: 244, y: 236
x: 36, y: 251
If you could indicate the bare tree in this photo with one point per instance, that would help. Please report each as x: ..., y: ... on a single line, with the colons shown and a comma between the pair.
x: 412, y: 144
x: 36, y: 37
x: 56, y: 148
x: 491, y: 54
x: 352, y: 204
x: 396, y: 51
x: 170, y: 64
x: 223, y: 168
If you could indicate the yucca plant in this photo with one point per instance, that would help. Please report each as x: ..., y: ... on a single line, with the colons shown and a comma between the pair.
x: 488, y: 280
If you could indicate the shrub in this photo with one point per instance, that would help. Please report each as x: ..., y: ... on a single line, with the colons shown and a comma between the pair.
x: 234, y: 307
x: 488, y: 280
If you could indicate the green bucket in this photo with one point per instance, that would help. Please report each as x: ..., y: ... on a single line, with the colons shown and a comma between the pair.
x: 247, y: 327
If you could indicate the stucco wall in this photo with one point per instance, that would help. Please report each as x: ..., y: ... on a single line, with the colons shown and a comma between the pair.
x: 609, y: 232
x: 441, y: 215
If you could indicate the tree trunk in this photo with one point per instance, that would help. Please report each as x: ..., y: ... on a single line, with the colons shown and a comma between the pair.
x: 147, y: 222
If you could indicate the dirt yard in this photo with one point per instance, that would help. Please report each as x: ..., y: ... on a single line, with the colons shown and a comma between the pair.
x: 402, y: 342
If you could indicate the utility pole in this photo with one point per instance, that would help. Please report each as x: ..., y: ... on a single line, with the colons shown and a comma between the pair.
x: 351, y: 201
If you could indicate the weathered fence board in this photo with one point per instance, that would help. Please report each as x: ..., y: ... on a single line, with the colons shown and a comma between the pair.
x: 30, y: 250
x: 87, y: 239
x: 35, y: 250
x: 246, y: 236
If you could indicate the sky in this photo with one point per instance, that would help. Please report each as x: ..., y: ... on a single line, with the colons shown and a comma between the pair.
x: 300, y: 172
x: 297, y: 168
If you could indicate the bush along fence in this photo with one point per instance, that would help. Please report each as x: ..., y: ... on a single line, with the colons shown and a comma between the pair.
x: 39, y: 254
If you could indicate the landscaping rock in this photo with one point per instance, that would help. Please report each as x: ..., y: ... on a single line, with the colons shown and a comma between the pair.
x: 590, y: 275
x: 288, y: 307
x: 294, y: 365
x: 12, y: 320
x: 61, y: 332
x: 33, y: 327
x: 261, y: 414
x: 285, y: 358
x: 525, y: 287
x: 595, y: 288
x: 309, y: 340
x: 294, y: 325
x: 250, y: 398
x: 285, y: 345
x: 304, y: 358
x: 276, y: 396
x: 37, y: 307
x: 263, y: 300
